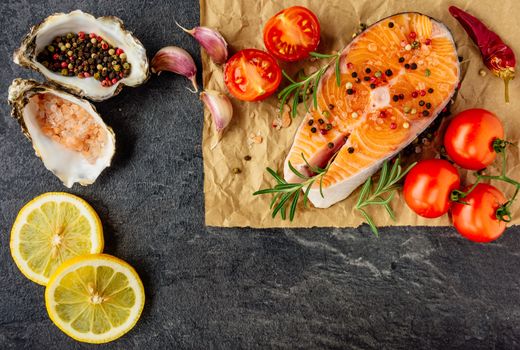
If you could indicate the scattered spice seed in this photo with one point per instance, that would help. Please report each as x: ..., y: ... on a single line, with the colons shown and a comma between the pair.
x: 395, y: 98
x: 391, y: 24
x: 401, y: 59
x: 428, y: 105
x: 482, y: 73
x: 321, y: 121
x: 412, y: 35
x: 354, y: 115
x: 350, y: 91
x: 310, y: 122
x: 368, y: 70
x: 348, y: 85
x: 331, y: 106
x: 428, y: 41
x: 430, y: 90
x: 330, y: 145
x: 236, y: 171
x: 415, y: 94
x: 328, y: 126
x: 366, y: 78
x: 408, y: 47
x: 422, y: 93
x: 401, y: 96
x: 313, y: 129
x: 350, y: 150
x: 421, y: 103
x: 378, y: 74
x: 425, y: 113
x: 414, y: 66
x: 407, y: 66
x: 372, y: 86
x: 415, y: 45
x: 358, y: 80
x: 393, y: 125
x: 247, y: 158
x: 406, y: 109
x: 413, y: 111
x: 323, y: 131
x: 388, y: 72
x: 427, y: 72
x: 354, y: 75
x: 406, y: 125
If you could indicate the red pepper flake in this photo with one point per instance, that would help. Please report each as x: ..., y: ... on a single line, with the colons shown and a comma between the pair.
x: 415, y: 94
x: 393, y: 125
x: 350, y: 65
x: 423, y: 92
x: 412, y: 35
x: 373, y: 79
x: 382, y: 114
x: 428, y: 41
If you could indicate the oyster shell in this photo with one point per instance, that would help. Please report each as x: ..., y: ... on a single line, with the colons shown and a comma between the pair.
x: 76, y: 146
x: 110, y: 28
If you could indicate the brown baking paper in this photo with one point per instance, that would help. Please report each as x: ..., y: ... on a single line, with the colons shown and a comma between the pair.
x: 228, y: 196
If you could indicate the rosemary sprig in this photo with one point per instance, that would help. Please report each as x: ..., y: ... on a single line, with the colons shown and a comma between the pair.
x: 386, y: 185
x: 286, y: 195
x: 299, y: 88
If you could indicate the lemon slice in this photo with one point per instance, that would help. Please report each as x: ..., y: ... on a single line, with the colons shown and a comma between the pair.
x: 51, y: 229
x: 94, y: 298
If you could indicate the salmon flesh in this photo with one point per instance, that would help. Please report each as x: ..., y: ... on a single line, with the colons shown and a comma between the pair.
x: 396, y: 77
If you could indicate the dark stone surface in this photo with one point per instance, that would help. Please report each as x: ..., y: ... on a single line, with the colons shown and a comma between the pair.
x: 239, y: 288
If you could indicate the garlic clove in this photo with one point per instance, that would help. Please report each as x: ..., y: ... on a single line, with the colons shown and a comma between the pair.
x: 176, y: 60
x: 211, y: 40
x: 220, y: 108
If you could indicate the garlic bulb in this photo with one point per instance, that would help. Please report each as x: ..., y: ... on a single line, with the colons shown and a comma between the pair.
x: 220, y: 108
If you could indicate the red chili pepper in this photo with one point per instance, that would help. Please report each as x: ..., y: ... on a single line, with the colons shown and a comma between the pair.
x: 497, y: 56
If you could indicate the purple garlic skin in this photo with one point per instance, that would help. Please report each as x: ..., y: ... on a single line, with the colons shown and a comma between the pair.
x: 212, y: 41
x: 176, y: 60
x: 220, y: 108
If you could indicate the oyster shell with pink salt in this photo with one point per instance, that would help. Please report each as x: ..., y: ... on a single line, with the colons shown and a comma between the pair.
x: 66, y: 132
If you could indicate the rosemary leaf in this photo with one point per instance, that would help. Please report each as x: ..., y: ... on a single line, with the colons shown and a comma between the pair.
x: 294, y: 108
x: 288, y: 77
x: 273, y: 201
x: 281, y: 204
x: 296, y: 172
x: 306, y: 195
x: 364, y: 192
x: 321, y: 55
x: 276, y: 176
x: 383, y: 177
x: 293, y: 205
x: 370, y: 222
x: 337, y: 71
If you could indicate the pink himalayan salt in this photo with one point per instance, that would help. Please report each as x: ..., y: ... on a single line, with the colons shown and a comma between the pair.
x: 70, y: 125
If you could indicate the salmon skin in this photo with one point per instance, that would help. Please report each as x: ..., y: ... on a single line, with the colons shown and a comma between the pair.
x: 396, y: 77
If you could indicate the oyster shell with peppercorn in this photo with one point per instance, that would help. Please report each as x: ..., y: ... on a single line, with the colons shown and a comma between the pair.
x: 108, y: 32
x: 66, y: 132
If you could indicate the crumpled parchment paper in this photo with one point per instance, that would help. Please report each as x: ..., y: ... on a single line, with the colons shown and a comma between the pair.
x: 228, y: 196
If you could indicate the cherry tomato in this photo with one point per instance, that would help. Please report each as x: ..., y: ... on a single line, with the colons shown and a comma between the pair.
x: 469, y: 138
x: 477, y: 220
x: 428, y: 186
x: 252, y: 75
x: 292, y: 34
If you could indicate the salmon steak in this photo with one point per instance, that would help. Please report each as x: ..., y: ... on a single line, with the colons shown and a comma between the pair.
x: 395, y: 78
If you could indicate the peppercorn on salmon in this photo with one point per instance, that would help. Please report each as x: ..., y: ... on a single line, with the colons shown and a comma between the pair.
x: 395, y: 78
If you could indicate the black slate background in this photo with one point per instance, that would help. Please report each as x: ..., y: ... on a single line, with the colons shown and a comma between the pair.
x: 238, y: 288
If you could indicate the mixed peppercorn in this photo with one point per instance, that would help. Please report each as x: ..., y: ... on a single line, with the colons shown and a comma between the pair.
x: 85, y: 55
